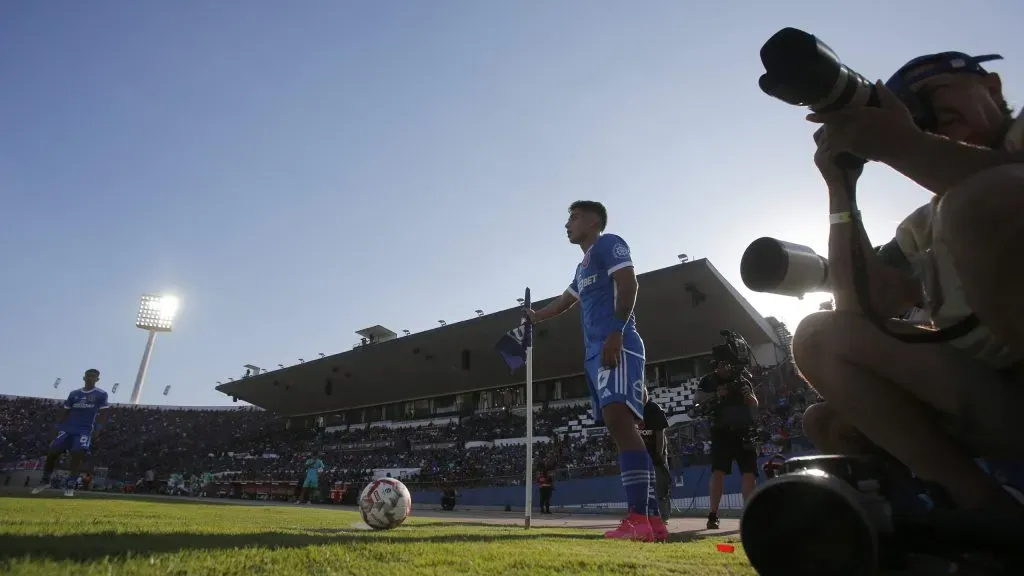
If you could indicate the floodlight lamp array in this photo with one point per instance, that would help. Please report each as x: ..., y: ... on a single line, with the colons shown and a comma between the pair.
x: 156, y: 313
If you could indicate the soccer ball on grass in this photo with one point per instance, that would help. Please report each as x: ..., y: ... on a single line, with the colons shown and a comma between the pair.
x: 385, y: 503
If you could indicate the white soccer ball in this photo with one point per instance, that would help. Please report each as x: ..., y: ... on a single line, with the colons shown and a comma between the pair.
x: 385, y: 503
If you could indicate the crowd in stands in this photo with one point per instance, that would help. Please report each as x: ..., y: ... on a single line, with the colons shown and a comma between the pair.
x: 252, y: 444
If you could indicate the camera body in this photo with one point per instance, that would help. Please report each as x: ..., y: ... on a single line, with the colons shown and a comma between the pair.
x: 851, y: 495
x: 853, y: 515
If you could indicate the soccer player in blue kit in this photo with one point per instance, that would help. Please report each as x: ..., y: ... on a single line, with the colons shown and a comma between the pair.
x: 605, y: 286
x: 74, y: 432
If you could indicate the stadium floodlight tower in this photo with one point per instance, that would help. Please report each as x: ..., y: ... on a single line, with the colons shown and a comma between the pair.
x: 156, y: 314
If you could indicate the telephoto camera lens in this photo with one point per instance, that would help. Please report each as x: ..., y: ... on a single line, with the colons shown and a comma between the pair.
x: 814, y: 519
x: 783, y: 268
x: 802, y: 70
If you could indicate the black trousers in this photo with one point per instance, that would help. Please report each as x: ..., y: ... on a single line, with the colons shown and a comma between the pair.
x: 447, y: 503
x: 545, y: 499
x: 663, y: 491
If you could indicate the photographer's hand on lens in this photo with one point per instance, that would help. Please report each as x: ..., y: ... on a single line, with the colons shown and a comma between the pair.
x: 837, y: 178
x: 872, y: 133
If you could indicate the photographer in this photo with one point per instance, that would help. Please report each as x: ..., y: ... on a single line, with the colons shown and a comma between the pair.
x: 932, y: 406
x: 733, y: 417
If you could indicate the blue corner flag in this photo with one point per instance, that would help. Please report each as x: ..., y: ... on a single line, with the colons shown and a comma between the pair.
x: 513, y: 344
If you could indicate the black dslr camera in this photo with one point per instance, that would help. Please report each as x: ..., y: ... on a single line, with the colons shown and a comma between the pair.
x: 852, y: 516
x: 802, y: 70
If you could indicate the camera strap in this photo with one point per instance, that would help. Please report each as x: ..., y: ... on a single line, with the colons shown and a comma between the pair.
x: 862, y: 288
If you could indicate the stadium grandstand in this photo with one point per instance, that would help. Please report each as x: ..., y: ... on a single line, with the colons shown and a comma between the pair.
x: 680, y: 310
x: 437, y: 409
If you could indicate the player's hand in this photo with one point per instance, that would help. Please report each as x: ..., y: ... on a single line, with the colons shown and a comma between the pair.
x: 612, y: 350
x: 531, y: 314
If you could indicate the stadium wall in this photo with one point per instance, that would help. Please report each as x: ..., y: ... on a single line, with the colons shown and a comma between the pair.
x: 603, y: 493
x: 600, y: 493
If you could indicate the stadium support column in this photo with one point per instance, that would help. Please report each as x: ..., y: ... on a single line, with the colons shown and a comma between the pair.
x: 143, y: 366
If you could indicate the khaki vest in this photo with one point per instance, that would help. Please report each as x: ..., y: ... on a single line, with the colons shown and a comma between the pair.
x: 922, y: 243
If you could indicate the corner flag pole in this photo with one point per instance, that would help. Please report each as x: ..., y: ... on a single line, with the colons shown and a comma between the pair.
x: 528, y: 345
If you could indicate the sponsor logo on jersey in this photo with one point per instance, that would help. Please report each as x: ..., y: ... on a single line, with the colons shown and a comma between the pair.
x: 584, y: 281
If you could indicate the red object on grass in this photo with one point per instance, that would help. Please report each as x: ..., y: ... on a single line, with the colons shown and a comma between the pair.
x: 729, y: 548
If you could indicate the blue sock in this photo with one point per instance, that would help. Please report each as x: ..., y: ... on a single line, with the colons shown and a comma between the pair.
x: 652, y: 497
x: 634, y: 467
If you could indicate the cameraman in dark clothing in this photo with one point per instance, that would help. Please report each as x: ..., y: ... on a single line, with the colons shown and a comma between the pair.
x: 448, y: 499
x: 546, y: 485
x: 733, y: 414
x: 652, y: 430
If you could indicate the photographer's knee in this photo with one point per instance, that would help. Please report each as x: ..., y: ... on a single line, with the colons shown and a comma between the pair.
x: 812, y: 341
x: 973, y: 207
x: 980, y: 221
x: 817, y: 423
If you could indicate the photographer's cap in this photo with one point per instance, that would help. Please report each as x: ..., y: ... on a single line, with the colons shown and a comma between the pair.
x: 934, y: 65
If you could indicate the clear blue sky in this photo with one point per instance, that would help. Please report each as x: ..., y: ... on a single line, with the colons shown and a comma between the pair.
x: 296, y: 171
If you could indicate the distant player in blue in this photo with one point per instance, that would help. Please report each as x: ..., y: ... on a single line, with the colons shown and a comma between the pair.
x: 74, y: 432
x: 605, y: 286
x: 314, y: 466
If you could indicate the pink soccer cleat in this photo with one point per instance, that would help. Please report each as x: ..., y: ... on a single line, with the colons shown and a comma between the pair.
x: 633, y: 527
x: 658, y: 529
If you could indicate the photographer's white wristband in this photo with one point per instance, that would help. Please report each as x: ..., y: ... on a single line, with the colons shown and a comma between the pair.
x: 843, y: 217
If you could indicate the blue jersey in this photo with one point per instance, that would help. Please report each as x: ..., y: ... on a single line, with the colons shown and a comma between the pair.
x: 595, y: 289
x: 83, y: 405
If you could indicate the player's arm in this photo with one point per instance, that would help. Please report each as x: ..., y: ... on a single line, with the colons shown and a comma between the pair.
x: 104, y: 414
x: 617, y: 259
x: 626, y: 289
x: 558, y: 306
x: 66, y: 409
x: 659, y: 442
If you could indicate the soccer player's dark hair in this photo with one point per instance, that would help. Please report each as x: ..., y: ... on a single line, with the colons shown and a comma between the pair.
x: 592, y: 207
x: 93, y: 371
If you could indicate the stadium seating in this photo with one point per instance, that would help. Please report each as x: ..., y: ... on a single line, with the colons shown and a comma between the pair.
x: 247, y: 444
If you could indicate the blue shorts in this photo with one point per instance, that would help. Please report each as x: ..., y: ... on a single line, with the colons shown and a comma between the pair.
x: 623, y: 384
x: 311, y: 482
x: 71, y: 441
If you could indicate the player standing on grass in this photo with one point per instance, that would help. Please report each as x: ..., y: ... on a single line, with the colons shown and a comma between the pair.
x: 74, y: 432
x: 605, y: 285
x: 314, y: 466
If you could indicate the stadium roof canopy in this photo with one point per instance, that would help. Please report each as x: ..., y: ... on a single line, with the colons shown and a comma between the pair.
x: 680, y: 311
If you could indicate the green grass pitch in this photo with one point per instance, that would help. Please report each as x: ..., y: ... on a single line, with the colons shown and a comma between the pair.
x: 103, y: 536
